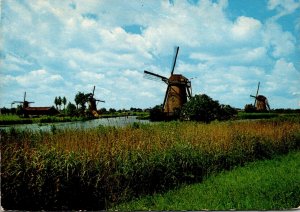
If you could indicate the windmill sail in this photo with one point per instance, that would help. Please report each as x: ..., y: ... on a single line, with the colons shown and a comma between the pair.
x: 175, y: 58
x: 153, y: 76
x: 256, y: 93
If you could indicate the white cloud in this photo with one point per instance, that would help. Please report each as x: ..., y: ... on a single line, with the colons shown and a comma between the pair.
x: 35, y: 78
x: 279, y: 42
x: 90, y: 77
x: 284, y: 73
x: 283, y: 7
x: 283, y: 83
x: 245, y: 28
x: 147, y: 94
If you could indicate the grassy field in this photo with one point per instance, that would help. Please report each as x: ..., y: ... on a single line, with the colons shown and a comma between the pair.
x: 264, y: 185
x: 97, y: 168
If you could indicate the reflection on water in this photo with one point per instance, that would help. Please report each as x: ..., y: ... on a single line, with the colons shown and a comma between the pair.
x: 118, y: 122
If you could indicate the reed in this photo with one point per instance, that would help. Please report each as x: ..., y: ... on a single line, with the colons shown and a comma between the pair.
x: 97, y: 168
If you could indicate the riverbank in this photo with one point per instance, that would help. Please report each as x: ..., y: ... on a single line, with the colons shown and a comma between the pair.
x: 7, y: 120
x: 94, y: 169
x: 120, y: 121
x: 15, y: 119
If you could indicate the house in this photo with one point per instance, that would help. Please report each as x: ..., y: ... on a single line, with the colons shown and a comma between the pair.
x: 49, y: 111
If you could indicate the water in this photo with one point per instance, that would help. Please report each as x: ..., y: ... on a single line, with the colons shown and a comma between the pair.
x: 118, y: 122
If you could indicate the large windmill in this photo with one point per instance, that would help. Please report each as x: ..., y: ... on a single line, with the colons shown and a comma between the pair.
x: 93, y: 103
x: 25, y: 104
x: 261, y: 102
x: 178, y: 91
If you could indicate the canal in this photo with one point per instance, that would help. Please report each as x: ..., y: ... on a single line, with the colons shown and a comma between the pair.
x: 117, y: 122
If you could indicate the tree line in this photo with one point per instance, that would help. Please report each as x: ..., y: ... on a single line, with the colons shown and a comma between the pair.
x: 58, y: 101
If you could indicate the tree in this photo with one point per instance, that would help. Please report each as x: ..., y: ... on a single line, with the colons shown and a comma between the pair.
x: 203, y: 108
x: 71, y: 109
x: 249, y: 108
x: 156, y: 113
x: 64, y: 101
x: 56, y: 102
x: 81, y: 99
x: 103, y: 110
x: 112, y: 110
x: 227, y: 112
x: 78, y: 99
x: 59, y: 101
x: 19, y: 110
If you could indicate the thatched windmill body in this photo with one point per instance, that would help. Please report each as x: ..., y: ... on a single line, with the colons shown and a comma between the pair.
x: 25, y: 104
x: 178, y: 91
x: 93, y: 103
x: 261, y: 102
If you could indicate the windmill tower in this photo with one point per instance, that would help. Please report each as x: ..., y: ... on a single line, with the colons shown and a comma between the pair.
x: 93, y: 103
x: 260, y: 102
x: 178, y: 91
x: 25, y: 104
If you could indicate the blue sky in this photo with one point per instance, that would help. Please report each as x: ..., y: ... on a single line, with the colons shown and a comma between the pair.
x: 59, y: 47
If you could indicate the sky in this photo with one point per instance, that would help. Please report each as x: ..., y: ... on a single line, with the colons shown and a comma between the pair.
x: 55, y: 48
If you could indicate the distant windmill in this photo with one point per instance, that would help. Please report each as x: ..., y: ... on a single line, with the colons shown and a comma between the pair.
x: 261, y: 102
x: 25, y: 104
x: 178, y: 91
x: 93, y: 103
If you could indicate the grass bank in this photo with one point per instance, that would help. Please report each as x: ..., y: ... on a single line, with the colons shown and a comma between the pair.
x: 267, y: 115
x: 244, y: 115
x: 15, y: 119
x: 264, y: 185
x: 97, y: 168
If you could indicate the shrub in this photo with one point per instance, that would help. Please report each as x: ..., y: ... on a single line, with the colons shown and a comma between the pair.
x: 249, y: 108
x: 156, y: 113
x: 205, y: 109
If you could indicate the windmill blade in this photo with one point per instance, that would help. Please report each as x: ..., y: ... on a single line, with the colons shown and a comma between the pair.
x: 153, y: 76
x: 256, y: 93
x: 97, y: 101
x: 257, y: 88
x: 93, y: 91
x: 189, y: 89
x: 267, y: 104
x: 24, y: 96
x: 166, y: 96
x: 174, y: 62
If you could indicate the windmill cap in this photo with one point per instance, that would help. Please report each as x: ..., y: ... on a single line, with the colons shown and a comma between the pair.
x: 177, y: 77
x: 261, y: 98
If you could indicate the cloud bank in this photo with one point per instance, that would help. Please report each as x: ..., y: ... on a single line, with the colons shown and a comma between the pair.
x: 57, y: 48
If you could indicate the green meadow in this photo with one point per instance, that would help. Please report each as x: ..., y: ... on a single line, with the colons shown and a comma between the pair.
x: 263, y: 185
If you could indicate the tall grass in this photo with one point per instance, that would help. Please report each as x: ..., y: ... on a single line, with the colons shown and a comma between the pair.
x: 96, y: 168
